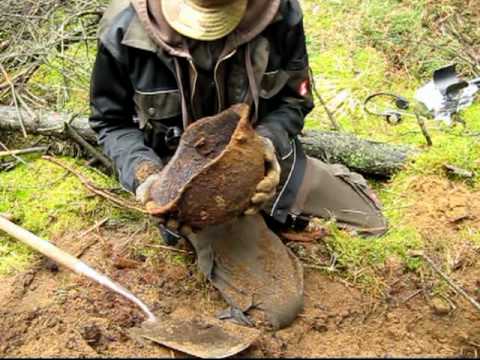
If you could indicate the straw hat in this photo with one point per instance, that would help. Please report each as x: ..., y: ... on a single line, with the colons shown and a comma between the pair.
x: 204, y: 19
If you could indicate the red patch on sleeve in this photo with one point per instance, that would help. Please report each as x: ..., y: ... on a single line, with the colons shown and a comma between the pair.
x: 304, y: 88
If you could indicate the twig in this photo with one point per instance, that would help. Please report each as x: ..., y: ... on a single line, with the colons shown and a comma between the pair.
x: 23, y: 151
x: 70, y: 131
x: 14, y: 155
x: 82, y: 251
x: 94, y: 189
x: 124, y: 246
x: 14, y: 96
x: 455, y: 287
x: 305, y: 236
x: 330, y: 115
x: 170, y: 249
x: 22, y: 75
x: 92, y: 242
x: 93, y: 228
x: 26, y: 107
x: 327, y: 268
x: 423, y: 127
x: 411, y: 296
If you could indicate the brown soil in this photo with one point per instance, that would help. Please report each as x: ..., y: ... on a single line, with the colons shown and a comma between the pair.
x: 442, y: 207
x: 44, y: 312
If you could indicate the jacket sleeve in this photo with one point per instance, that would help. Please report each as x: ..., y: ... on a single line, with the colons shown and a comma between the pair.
x: 292, y: 104
x: 112, y: 111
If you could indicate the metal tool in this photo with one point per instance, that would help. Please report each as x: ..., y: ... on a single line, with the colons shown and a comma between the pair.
x: 447, y: 93
x: 194, y: 335
x: 440, y: 99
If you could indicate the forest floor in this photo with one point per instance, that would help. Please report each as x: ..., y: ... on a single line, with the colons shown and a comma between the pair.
x: 48, y: 311
x: 363, y: 297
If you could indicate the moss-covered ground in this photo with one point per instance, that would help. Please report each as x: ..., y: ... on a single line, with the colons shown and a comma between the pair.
x: 355, y: 48
x: 50, y: 202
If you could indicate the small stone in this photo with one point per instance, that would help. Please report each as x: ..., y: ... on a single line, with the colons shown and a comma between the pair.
x: 91, y: 334
x: 50, y: 265
x: 440, y: 307
x: 397, y: 332
x: 28, y: 279
x: 320, y: 326
x: 51, y: 322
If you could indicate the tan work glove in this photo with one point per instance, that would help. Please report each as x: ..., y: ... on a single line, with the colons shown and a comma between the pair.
x: 145, y: 174
x: 143, y: 195
x: 267, y: 188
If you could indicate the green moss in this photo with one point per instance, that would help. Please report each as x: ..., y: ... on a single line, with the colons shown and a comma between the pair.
x: 49, y: 202
x: 13, y: 256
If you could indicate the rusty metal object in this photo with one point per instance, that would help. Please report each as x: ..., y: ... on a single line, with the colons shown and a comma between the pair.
x: 214, y: 172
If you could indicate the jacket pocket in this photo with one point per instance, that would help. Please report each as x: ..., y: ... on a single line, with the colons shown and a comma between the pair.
x: 272, y: 83
x: 157, y: 105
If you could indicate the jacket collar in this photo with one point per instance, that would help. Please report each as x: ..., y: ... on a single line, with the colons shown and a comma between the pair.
x: 135, y: 37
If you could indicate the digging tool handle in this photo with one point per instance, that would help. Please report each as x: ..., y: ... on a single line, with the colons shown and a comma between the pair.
x: 71, y: 262
x: 42, y: 246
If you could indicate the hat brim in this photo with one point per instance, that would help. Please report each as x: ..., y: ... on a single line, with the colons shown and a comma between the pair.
x: 201, y: 23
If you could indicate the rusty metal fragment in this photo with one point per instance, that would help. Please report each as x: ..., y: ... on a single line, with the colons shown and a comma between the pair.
x: 214, y: 172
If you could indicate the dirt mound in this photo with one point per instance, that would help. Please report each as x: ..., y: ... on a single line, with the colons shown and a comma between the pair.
x: 442, y: 207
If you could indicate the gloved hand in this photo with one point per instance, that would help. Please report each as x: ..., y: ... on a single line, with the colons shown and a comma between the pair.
x: 143, y: 195
x: 146, y: 173
x: 267, y: 188
x: 143, y: 192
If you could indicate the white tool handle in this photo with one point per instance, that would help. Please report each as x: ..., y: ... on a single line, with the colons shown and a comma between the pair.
x: 71, y: 262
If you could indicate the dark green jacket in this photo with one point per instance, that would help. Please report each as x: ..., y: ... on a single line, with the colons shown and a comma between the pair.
x: 140, y: 91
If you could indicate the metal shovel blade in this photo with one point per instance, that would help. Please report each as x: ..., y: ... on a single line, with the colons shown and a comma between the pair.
x: 203, y: 337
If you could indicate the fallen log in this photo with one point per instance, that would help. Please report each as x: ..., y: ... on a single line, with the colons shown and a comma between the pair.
x: 44, y: 123
x: 364, y: 156
x: 367, y: 157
